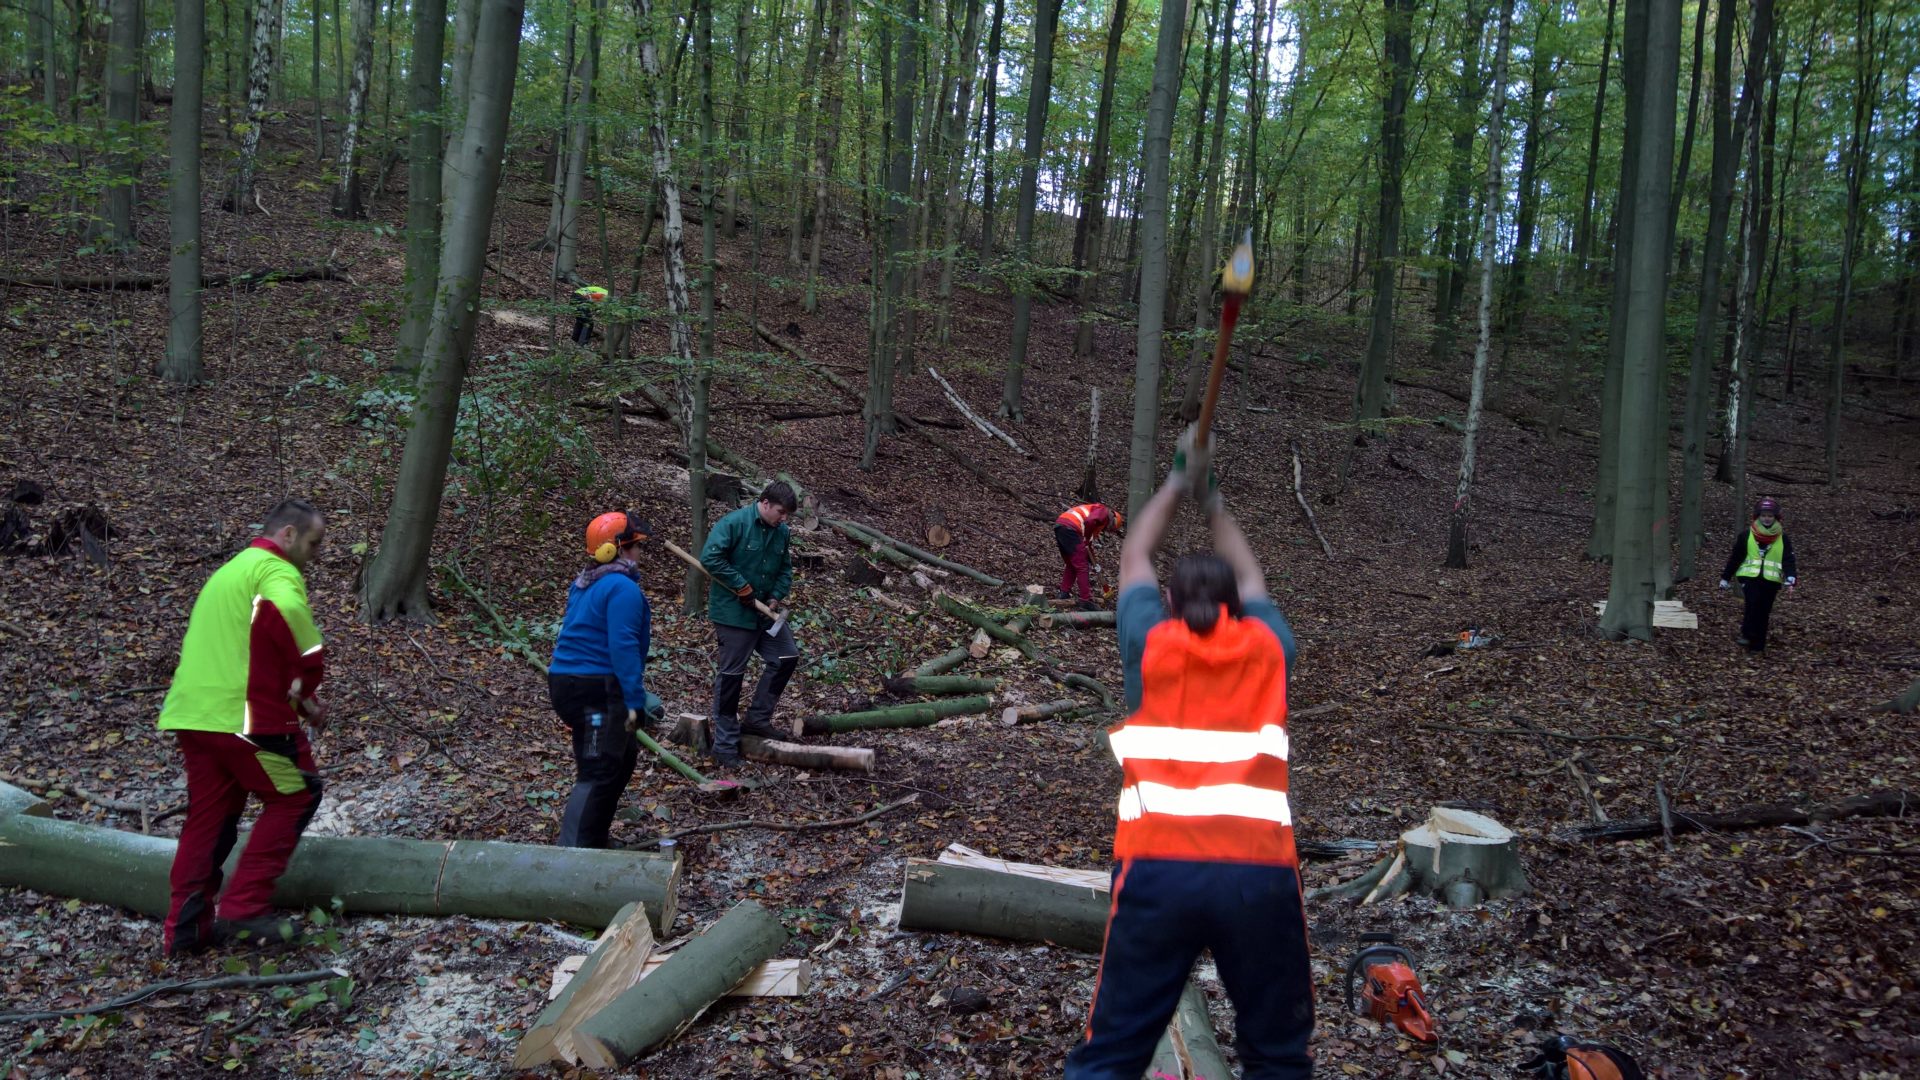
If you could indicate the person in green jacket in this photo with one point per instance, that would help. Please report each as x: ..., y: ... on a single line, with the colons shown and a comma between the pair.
x: 746, y: 560
x: 240, y: 706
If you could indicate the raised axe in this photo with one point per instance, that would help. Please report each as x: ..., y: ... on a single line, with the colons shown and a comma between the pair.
x: 779, y: 617
x: 1236, y: 281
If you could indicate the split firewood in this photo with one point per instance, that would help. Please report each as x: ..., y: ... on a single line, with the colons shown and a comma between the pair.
x: 918, y: 714
x: 1892, y: 803
x: 775, y: 978
x: 617, y: 962
x: 1189, y: 1050
x: 696, y: 975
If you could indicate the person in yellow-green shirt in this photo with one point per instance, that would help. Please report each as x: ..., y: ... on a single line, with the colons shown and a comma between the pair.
x: 240, y: 705
x: 1762, y: 561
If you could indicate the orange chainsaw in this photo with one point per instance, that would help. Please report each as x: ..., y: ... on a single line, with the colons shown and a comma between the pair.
x: 1381, y: 973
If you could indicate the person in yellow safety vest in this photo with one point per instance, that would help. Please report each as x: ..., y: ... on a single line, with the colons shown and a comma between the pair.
x: 1762, y: 560
x: 585, y: 298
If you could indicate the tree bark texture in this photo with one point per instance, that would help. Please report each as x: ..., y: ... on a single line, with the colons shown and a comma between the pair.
x: 1370, y: 397
x: 182, y: 362
x: 1142, y: 467
x: 1039, y: 95
x: 424, y: 174
x: 346, y: 197
x: 259, y: 75
x: 954, y: 898
x: 123, y: 112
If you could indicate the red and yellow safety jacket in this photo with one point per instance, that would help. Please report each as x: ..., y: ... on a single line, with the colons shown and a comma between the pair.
x: 250, y: 637
x: 1205, y: 755
x: 1087, y: 519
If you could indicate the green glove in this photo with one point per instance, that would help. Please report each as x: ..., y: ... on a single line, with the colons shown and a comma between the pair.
x: 1194, y: 468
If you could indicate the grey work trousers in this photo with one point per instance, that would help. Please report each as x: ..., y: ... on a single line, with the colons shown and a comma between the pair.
x: 779, y: 656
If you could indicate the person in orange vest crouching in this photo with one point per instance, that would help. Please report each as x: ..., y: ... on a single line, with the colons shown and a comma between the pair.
x: 1075, y: 531
x: 1205, y: 835
x: 1762, y: 561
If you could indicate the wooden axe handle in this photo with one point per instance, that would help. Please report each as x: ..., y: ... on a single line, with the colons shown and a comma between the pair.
x: 758, y: 605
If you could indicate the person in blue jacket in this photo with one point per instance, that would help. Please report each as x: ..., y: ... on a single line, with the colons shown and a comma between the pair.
x: 598, y: 675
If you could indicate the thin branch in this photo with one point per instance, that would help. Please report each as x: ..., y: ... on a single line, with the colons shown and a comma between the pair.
x: 224, y: 982
x: 785, y: 826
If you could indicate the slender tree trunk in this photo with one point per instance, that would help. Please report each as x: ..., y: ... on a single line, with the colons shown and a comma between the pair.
x: 567, y: 253
x: 1454, y: 227
x: 259, y: 75
x: 840, y: 15
x: 466, y: 20
x: 1868, y: 66
x: 1489, y: 249
x: 1583, y: 233
x: 1090, y: 232
x: 1194, y: 177
x: 737, y: 115
x: 953, y: 203
x: 673, y: 262
x: 1606, y: 486
x: 1143, y: 470
x: 340, y: 78
x: 1039, y: 94
x: 557, y: 162
x: 1639, y: 541
x: 1199, y: 357
x: 1526, y: 215
x: 897, y: 220
x: 423, y: 178
x: 1686, y: 142
x: 394, y: 584
x: 1751, y: 321
x: 123, y: 112
x: 701, y: 376
x: 1370, y: 397
x: 987, y: 187
x: 319, y: 107
x: 346, y: 197
x: 812, y: 96
x: 182, y: 362
x: 1726, y: 153
x: 50, y: 55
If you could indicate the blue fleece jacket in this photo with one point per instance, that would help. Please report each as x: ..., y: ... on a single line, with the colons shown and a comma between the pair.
x: 607, y: 631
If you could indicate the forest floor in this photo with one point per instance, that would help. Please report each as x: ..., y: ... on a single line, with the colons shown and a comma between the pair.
x: 1765, y: 953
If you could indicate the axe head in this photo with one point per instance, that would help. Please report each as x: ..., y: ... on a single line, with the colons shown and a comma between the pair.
x: 1237, y: 275
x: 779, y: 624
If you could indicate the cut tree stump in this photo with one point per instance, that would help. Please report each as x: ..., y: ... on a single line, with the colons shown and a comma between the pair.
x: 1894, y: 803
x: 696, y: 975
x: 941, y: 684
x: 374, y: 875
x: 934, y: 521
x: 969, y: 893
x: 618, y: 960
x: 1189, y: 1050
x: 1457, y: 847
x: 918, y: 714
x: 1667, y: 614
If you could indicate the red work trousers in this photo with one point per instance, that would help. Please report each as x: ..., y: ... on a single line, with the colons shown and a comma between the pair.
x: 1076, y: 577
x: 222, y: 770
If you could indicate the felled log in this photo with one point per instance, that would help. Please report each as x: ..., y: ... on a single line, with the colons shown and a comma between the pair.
x: 979, y: 645
x: 917, y: 714
x: 376, y: 875
x: 240, y: 279
x: 945, y: 662
x: 775, y: 978
x: 869, y: 544
x: 1077, y: 620
x: 1014, y: 715
x: 934, y: 521
x: 869, y: 535
x: 1189, y: 1050
x: 1892, y: 803
x: 696, y: 975
x: 803, y: 756
x: 1011, y: 634
x: 1459, y: 856
x: 907, y: 686
x: 618, y: 960
x: 966, y: 892
x: 1905, y: 703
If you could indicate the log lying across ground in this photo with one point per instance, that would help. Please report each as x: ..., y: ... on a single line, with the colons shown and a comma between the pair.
x: 1009, y: 635
x: 1894, y: 803
x: 691, y: 730
x: 966, y: 892
x: 374, y: 875
x: 918, y: 714
x: 239, y: 279
x: 696, y: 975
x: 1189, y: 1050
x: 1066, y: 709
x: 867, y: 534
x: 945, y: 662
x: 909, y: 685
x: 1078, y: 620
x: 618, y: 960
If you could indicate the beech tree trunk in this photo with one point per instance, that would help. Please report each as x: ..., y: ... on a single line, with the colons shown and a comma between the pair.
x: 1638, y: 543
x: 897, y: 222
x: 580, y: 136
x: 181, y: 364
x: 1090, y: 233
x: 1018, y: 903
x: 424, y: 174
x: 394, y: 583
x: 1750, y: 320
x: 1583, y: 233
x: 840, y: 13
x: 1455, y: 232
x: 346, y: 196
x: 123, y: 112
x: 1869, y: 63
x: 987, y: 186
x: 259, y: 75
x: 1489, y: 252
x: 1039, y: 95
x: 1142, y: 472
x: 696, y: 381
x: 812, y: 97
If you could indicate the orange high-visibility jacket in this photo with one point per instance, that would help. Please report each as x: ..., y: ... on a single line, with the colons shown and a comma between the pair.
x: 1087, y: 519
x: 1205, y: 756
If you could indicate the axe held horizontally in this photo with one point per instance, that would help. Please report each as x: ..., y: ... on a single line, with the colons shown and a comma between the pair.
x: 779, y: 617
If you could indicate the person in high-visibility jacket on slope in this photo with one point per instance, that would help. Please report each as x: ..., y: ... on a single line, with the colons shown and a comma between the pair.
x: 1762, y: 561
x: 1205, y: 834
x: 1074, y: 531
x: 585, y: 299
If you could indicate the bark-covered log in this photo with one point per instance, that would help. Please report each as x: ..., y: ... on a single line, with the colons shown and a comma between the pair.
x: 617, y: 962
x: 1068, y: 909
x: 1014, y: 715
x: 945, y: 662
x: 237, y: 279
x: 696, y: 975
x: 934, y: 520
x: 869, y: 535
x: 1078, y: 620
x: 379, y: 875
x: 799, y: 756
x: 1189, y: 1050
x: 941, y: 684
x: 919, y: 714
x: 1879, y: 804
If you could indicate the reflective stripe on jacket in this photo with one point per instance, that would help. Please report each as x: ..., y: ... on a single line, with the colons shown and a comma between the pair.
x: 1763, y: 562
x: 1087, y: 519
x: 1204, y: 758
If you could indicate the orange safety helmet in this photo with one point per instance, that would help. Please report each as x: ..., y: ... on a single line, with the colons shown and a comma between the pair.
x: 613, y: 530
